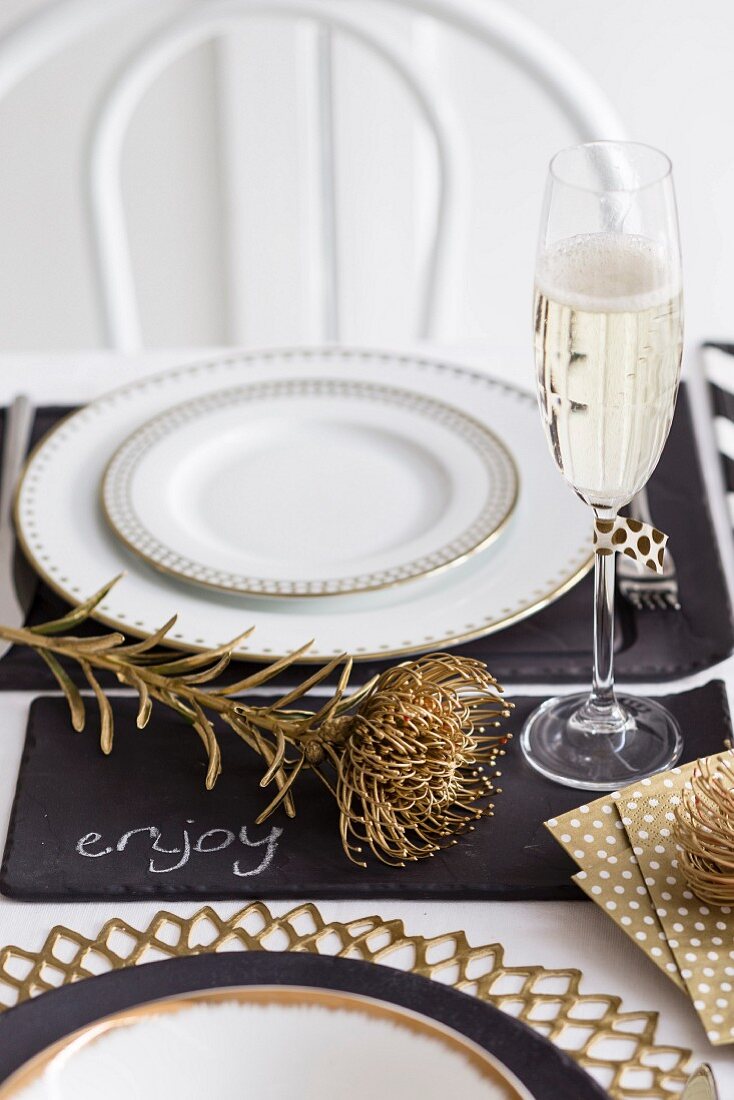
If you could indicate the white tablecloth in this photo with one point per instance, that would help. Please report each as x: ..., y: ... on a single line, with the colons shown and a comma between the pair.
x: 553, y: 934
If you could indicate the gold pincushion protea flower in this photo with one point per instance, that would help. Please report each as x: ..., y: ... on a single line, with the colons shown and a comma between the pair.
x: 410, y: 762
x: 407, y: 756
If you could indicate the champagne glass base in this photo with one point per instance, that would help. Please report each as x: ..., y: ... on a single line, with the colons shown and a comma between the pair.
x: 566, y: 742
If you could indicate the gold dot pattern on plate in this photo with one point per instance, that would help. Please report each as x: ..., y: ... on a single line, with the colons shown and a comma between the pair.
x: 594, y: 836
x: 700, y: 936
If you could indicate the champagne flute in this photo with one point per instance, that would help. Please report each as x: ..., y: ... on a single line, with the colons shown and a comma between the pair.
x: 608, y: 340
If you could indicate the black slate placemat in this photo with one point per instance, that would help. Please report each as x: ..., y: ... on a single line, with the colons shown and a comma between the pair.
x: 139, y: 823
x: 555, y: 643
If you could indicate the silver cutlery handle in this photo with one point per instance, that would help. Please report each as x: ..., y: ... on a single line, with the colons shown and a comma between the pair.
x: 18, y: 427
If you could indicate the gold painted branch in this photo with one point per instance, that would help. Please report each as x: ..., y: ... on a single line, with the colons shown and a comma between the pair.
x: 408, y: 756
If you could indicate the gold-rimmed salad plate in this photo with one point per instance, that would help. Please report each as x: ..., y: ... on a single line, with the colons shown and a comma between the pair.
x: 309, y: 487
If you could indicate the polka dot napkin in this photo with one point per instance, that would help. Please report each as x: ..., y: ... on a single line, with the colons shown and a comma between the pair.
x: 700, y: 936
x: 629, y: 867
x: 631, y: 908
x: 594, y: 835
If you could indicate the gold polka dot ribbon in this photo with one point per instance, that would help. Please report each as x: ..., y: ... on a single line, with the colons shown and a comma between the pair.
x: 630, y: 867
x: 639, y: 541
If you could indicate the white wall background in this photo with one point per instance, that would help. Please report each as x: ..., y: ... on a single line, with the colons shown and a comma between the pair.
x: 666, y: 64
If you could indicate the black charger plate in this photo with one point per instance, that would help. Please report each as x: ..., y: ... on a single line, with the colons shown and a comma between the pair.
x: 545, y: 1070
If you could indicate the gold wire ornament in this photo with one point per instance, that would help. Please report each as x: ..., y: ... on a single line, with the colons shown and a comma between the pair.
x: 407, y: 756
x: 411, y: 772
x: 617, y: 1047
x: 704, y: 831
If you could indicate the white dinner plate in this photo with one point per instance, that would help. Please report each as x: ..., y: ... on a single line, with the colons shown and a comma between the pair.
x: 545, y: 548
x: 308, y: 487
x: 273, y: 1043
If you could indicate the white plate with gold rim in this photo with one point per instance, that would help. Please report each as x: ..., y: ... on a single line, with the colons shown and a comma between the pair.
x: 544, y: 549
x: 309, y: 487
x: 269, y: 1042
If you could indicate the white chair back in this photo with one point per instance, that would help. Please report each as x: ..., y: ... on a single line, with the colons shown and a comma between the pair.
x: 200, y: 23
x: 490, y: 22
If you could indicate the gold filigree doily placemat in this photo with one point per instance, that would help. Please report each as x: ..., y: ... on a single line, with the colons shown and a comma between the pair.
x: 618, y: 1048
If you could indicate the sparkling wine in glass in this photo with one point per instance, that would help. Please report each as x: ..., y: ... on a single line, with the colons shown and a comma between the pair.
x: 608, y: 339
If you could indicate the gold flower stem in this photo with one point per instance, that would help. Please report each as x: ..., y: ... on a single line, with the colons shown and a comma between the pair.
x: 403, y: 755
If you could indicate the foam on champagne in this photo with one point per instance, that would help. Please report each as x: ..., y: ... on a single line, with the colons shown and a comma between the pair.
x: 607, y: 273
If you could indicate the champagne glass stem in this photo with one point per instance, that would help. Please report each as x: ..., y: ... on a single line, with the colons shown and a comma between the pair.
x: 602, y: 690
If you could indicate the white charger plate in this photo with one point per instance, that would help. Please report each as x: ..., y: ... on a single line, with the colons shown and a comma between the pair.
x: 272, y: 1043
x: 308, y: 487
x: 544, y: 550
